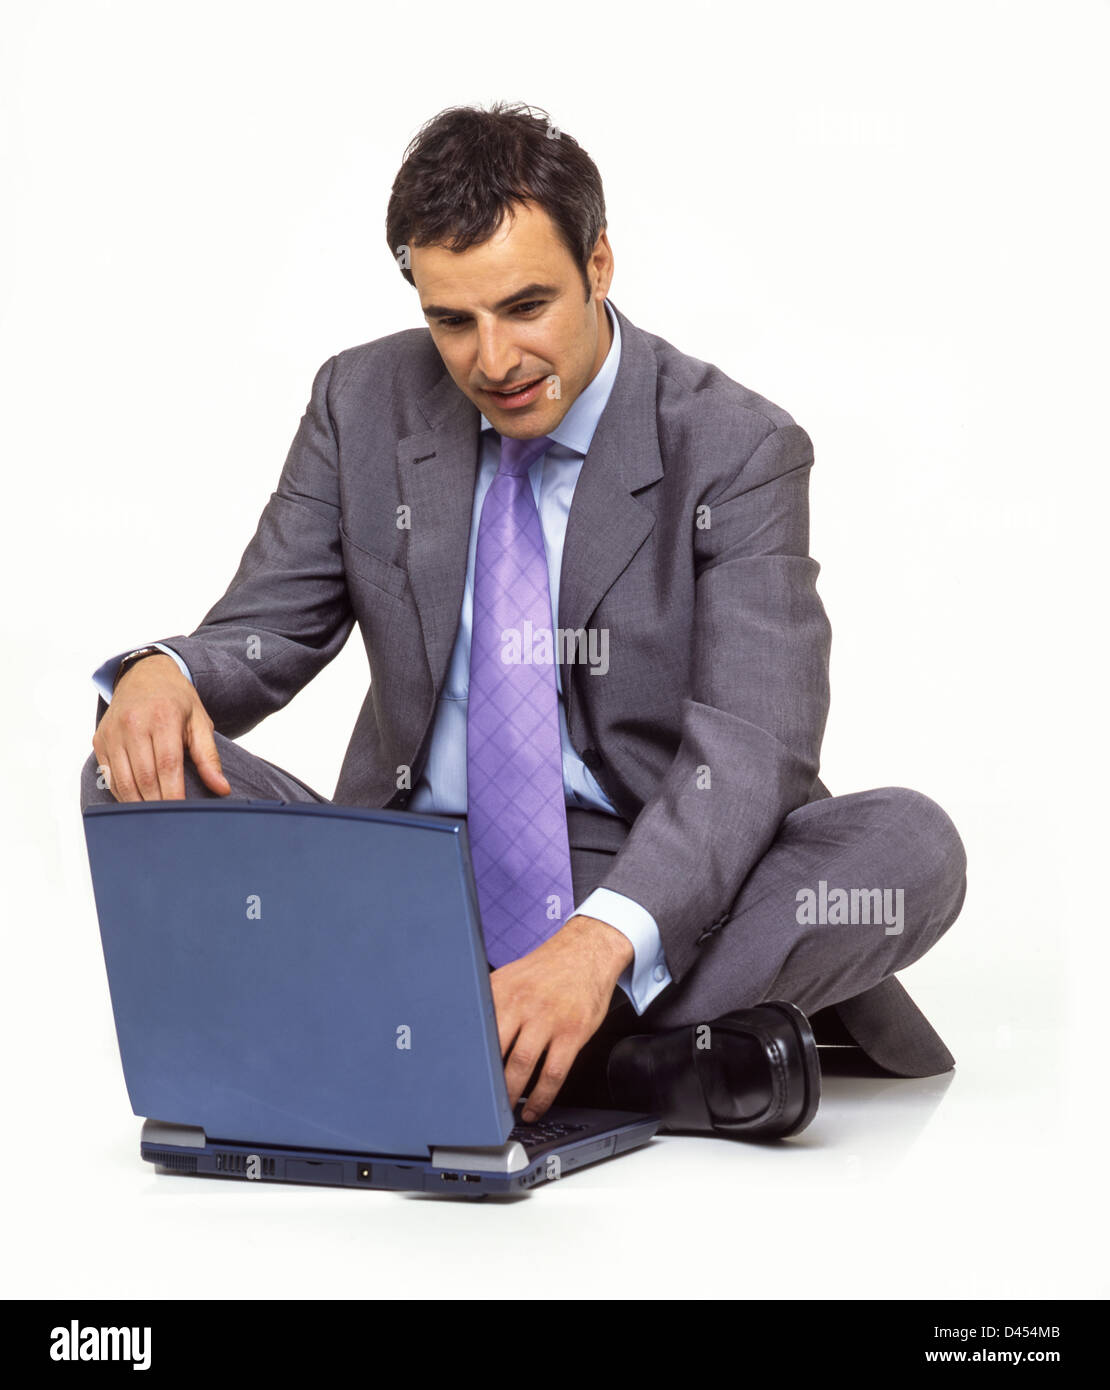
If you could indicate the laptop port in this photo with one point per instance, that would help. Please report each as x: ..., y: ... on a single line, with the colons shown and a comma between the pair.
x: 471, y: 1177
x: 449, y: 1177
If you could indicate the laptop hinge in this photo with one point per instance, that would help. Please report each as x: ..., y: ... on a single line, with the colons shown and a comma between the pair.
x: 162, y: 1132
x: 509, y: 1158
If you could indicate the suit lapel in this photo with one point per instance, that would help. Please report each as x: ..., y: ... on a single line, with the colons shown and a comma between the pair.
x: 437, y: 470
x: 607, y: 525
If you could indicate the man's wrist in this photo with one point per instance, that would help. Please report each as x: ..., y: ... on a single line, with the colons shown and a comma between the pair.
x: 132, y: 659
x: 609, y: 940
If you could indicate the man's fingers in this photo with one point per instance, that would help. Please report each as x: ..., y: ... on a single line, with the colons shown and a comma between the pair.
x: 507, y: 1031
x: 206, y: 758
x: 508, y: 1022
x: 138, y: 753
x: 139, y: 746
x: 560, y: 1059
x: 120, y: 779
x: 527, y: 1051
x: 169, y: 762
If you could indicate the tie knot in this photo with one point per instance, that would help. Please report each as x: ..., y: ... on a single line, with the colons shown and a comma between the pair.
x: 518, y: 455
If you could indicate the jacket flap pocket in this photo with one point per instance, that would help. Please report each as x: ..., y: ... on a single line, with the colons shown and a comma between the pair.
x: 383, y: 574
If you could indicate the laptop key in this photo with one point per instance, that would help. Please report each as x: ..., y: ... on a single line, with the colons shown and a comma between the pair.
x: 543, y: 1132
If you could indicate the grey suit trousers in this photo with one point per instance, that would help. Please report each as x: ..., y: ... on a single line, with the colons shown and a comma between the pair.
x: 888, y: 844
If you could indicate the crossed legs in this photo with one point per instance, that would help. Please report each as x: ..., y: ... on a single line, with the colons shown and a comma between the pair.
x: 785, y: 938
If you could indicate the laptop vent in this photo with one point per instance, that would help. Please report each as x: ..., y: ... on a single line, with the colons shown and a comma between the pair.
x: 179, y: 1163
x: 237, y: 1163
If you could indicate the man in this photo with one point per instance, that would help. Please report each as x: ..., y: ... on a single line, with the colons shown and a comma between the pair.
x: 579, y: 562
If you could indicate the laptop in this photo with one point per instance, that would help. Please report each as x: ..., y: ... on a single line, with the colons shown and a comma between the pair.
x: 301, y: 994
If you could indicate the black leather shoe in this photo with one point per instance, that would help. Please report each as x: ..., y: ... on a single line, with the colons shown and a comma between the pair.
x: 758, y: 1078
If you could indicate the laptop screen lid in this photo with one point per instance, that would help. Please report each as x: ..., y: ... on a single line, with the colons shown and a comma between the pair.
x: 300, y: 974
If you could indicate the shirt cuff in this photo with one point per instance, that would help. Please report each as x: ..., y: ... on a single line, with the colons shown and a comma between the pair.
x: 648, y: 975
x: 104, y: 675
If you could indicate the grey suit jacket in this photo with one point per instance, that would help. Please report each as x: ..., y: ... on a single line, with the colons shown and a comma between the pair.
x: 688, y: 539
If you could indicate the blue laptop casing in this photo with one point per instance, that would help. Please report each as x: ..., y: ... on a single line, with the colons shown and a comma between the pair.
x: 300, y: 975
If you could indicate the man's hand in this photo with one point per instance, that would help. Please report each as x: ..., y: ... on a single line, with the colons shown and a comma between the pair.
x: 154, y: 716
x: 554, y: 999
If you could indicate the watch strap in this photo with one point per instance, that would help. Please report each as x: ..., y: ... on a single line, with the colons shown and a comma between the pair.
x: 132, y: 657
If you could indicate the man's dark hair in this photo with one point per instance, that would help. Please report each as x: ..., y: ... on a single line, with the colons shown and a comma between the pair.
x: 466, y: 167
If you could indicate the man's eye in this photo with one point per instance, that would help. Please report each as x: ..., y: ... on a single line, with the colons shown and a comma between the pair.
x: 525, y: 308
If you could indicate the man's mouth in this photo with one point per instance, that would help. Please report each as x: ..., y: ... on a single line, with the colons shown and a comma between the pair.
x: 519, y: 394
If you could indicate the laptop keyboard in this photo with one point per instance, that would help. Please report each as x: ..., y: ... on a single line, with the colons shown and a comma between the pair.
x: 544, y: 1132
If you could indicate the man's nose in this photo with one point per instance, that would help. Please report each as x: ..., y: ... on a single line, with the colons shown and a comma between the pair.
x: 497, y: 358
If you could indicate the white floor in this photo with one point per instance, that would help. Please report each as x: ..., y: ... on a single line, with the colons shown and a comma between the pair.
x: 975, y: 1184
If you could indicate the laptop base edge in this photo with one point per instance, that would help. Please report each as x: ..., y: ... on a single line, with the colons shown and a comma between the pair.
x: 180, y: 1150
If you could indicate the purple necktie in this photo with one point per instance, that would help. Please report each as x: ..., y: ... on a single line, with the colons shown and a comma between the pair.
x: 516, y: 805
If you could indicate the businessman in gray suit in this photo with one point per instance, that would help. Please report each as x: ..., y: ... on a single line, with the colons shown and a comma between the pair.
x: 717, y: 911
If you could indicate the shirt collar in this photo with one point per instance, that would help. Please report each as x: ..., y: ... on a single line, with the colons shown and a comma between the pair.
x: 576, y: 429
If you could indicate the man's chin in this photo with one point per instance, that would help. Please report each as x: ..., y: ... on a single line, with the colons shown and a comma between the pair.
x: 528, y: 422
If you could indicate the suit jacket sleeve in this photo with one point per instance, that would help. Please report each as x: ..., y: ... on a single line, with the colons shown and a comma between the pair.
x: 758, y: 700
x: 286, y: 612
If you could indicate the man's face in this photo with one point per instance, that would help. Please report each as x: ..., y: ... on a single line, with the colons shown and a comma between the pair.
x: 513, y: 311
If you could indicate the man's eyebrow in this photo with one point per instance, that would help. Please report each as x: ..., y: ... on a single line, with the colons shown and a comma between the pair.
x: 533, y: 291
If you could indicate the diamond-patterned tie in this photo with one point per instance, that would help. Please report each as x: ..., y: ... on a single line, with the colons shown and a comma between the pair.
x: 516, y: 807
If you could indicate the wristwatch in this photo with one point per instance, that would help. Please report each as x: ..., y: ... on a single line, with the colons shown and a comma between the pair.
x: 131, y: 657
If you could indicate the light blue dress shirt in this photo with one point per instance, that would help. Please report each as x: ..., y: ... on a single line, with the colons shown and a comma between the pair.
x: 441, y: 788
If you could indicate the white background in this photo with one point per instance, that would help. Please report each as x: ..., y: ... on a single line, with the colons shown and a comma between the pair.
x: 889, y: 219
